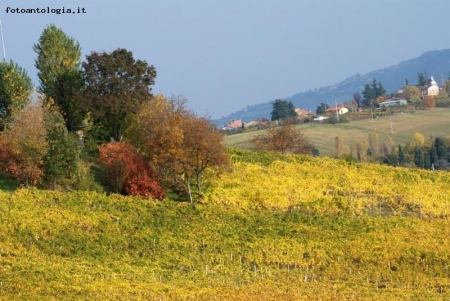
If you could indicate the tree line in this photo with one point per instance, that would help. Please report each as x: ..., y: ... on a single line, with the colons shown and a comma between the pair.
x: 100, y: 113
x: 433, y: 153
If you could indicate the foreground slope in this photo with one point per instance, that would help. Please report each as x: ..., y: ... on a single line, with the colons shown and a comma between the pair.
x: 275, y: 228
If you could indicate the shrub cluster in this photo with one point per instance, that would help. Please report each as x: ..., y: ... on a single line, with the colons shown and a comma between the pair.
x: 127, y: 171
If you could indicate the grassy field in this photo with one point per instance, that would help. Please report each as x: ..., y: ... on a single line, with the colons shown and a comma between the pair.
x: 429, y: 123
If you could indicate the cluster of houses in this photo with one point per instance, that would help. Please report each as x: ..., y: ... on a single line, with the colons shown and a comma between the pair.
x: 235, y: 124
x: 432, y: 89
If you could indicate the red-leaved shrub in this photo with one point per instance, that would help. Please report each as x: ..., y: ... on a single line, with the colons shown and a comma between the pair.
x: 128, y: 172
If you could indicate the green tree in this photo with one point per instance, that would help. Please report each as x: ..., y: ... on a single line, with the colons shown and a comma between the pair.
x: 61, y: 160
x: 441, y: 148
x: 282, y: 109
x: 421, y: 79
x: 116, y: 86
x: 58, y: 62
x: 401, y: 156
x: 380, y: 91
x: 433, y: 155
x: 418, y: 157
x: 368, y: 96
x: 15, y: 89
x: 375, y: 87
x: 411, y: 93
x: 372, y: 92
x: 322, y: 108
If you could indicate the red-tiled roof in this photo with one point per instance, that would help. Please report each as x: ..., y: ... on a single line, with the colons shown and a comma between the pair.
x: 234, y: 123
x: 334, y: 109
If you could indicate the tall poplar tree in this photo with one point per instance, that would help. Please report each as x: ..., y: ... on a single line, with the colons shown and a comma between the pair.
x: 58, y: 62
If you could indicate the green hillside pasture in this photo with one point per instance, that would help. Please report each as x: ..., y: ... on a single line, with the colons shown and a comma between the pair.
x: 429, y: 123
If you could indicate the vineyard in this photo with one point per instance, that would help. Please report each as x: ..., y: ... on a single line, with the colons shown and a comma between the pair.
x: 273, y: 228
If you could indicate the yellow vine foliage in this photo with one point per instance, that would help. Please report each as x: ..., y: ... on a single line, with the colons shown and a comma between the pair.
x: 91, y: 246
x: 333, y: 186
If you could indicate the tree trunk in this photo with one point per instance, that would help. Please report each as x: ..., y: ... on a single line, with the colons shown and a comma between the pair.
x: 199, y: 184
x: 188, y: 185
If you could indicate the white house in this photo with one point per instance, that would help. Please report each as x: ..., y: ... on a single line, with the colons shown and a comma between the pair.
x: 340, y: 109
x: 432, y: 89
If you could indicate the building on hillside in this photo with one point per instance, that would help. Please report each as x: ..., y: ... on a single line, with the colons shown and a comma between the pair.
x: 256, y: 123
x: 432, y: 89
x: 393, y: 102
x: 340, y: 109
x: 233, y: 124
x: 302, y: 112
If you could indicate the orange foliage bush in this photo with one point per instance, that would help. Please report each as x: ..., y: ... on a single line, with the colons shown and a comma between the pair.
x: 429, y: 102
x: 128, y: 172
x: 24, y: 146
x: 14, y: 164
x: 5, y: 155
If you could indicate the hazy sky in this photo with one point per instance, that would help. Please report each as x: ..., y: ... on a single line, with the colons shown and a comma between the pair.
x: 223, y: 55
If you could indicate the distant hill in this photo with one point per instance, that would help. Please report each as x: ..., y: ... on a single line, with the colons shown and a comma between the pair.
x: 433, y: 63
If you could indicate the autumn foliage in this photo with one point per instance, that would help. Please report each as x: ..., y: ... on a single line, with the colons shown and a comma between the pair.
x: 24, y: 146
x: 429, y: 102
x: 287, y: 140
x: 179, y: 144
x: 128, y: 172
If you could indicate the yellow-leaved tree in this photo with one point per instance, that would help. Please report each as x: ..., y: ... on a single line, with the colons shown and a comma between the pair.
x: 178, y: 144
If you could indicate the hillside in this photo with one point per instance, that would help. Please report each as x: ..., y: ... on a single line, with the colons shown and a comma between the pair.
x: 431, y: 123
x: 436, y: 63
x: 275, y: 228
